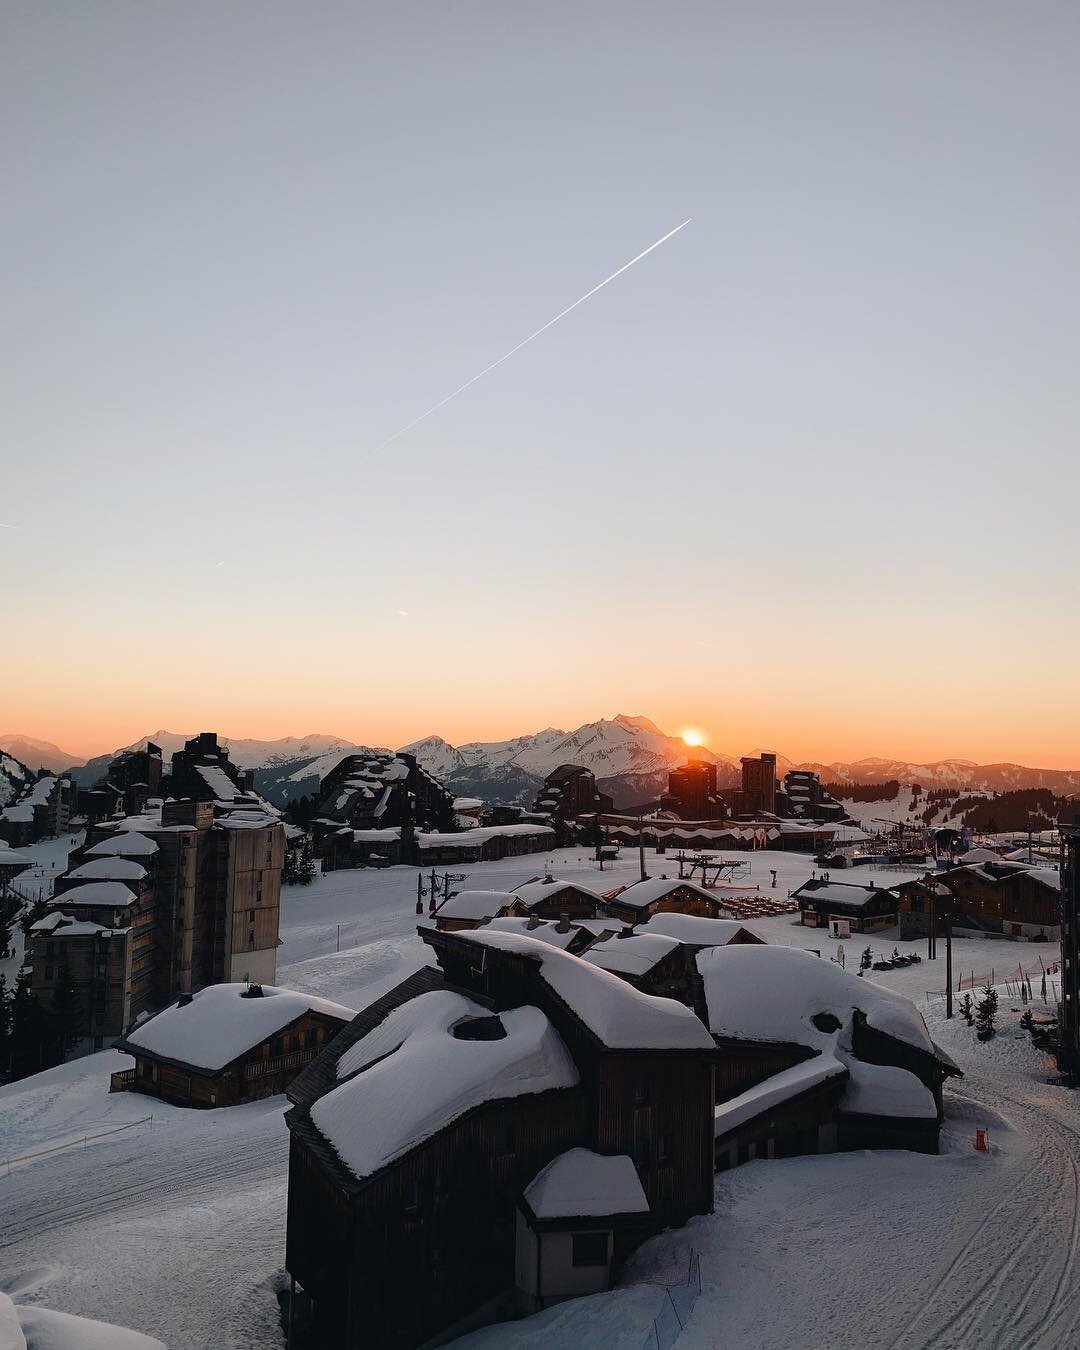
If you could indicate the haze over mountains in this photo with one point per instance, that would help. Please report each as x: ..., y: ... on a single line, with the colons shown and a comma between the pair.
x: 629, y: 755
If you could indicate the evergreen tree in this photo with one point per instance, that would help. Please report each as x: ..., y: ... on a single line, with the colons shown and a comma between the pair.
x: 5, y: 1027
x: 299, y: 869
x: 5, y: 930
x: 986, y: 1013
x: 967, y: 1009
x: 32, y: 914
x: 32, y: 1042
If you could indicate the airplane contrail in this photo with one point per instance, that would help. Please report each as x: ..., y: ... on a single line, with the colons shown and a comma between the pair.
x: 525, y: 341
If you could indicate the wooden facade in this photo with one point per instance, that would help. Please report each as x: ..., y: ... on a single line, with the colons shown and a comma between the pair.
x: 846, y: 906
x: 427, y: 1243
x: 264, y: 1070
x: 681, y: 898
x: 996, y: 899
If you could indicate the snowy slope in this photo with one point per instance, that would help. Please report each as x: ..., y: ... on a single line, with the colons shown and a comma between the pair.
x: 15, y: 778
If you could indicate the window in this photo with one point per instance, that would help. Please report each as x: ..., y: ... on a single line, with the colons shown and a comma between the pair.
x: 590, y: 1249
x: 640, y: 1153
x: 48, y: 972
x: 663, y: 1148
x: 641, y: 1092
x: 411, y: 1197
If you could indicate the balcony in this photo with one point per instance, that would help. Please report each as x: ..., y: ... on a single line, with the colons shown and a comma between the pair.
x: 122, y: 1080
x: 293, y: 1060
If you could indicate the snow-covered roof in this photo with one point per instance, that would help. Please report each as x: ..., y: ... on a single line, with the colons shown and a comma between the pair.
x: 582, y: 1184
x: 543, y: 889
x: 474, y: 904
x: 619, y: 1015
x: 66, y: 925
x: 220, y: 1023
x: 696, y: 930
x: 546, y: 930
x: 603, y: 925
x: 643, y: 893
x: 978, y: 855
x: 108, y: 869
x: 767, y: 993
x: 470, y: 838
x: 98, y: 893
x: 774, y: 1091
x: 9, y: 857
x: 837, y: 893
x: 885, y: 1090
x: 127, y: 844
x: 217, y: 780
x: 633, y: 954
x: 411, y: 1076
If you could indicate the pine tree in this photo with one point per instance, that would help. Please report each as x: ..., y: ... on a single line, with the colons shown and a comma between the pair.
x: 32, y: 1044
x: 32, y: 914
x: 967, y: 1009
x: 986, y: 1013
x: 299, y: 868
x: 5, y: 930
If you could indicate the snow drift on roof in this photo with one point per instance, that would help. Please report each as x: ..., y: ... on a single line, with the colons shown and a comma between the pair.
x: 584, y: 1184
x: 643, y: 893
x: 412, y: 1076
x: 543, y: 889
x: 885, y: 1090
x: 695, y: 929
x: 634, y: 955
x: 474, y: 904
x: 774, y: 1091
x: 128, y: 844
x: 547, y: 930
x: 98, y: 893
x: 620, y: 1016
x: 108, y: 869
x: 766, y: 993
x: 219, y: 1025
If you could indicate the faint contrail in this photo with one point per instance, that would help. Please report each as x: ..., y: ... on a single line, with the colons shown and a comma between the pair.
x: 525, y: 341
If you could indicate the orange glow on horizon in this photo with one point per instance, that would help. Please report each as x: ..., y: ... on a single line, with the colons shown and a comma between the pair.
x: 693, y: 736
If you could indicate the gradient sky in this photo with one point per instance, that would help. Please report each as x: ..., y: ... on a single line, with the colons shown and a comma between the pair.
x: 805, y: 477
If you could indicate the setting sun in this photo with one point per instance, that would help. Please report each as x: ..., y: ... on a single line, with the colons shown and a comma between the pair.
x: 692, y: 736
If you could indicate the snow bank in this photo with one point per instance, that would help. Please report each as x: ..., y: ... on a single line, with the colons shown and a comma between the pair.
x: 584, y: 1184
x: 619, y: 1015
x: 771, y: 993
x: 412, y: 1076
x: 219, y: 1024
x: 23, y: 1327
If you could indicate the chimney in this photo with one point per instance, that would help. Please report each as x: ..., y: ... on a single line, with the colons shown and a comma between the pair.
x: 183, y: 1000
x: 563, y: 926
x: 625, y: 932
x: 533, y: 922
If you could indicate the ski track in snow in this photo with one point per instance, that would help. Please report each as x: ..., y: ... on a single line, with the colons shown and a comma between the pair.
x: 179, y: 1231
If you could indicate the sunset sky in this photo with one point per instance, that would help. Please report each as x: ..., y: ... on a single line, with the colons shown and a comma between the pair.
x: 805, y: 477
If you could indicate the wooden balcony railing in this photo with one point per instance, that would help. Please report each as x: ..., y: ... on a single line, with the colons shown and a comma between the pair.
x: 122, y: 1080
x: 293, y: 1060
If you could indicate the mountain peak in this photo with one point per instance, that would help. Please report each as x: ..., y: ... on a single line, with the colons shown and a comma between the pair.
x: 638, y: 724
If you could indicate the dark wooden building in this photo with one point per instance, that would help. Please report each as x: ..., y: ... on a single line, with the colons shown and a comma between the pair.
x: 227, y: 1044
x: 994, y: 899
x: 408, y: 1163
x: 570, y: 792
x: 692, y: 793
x: 845, y: 907
x: 638, y: 902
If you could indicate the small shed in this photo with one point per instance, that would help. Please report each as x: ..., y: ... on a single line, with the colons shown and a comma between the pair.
x: 576, y: 1221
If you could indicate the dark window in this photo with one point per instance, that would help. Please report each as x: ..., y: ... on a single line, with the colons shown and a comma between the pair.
x: 504, y: 1139
x: 48, y: 972
x: 590, y: 1249
x: 437, y: 1256
x: 294, y: 1042
x: 640, y: 1152
x: 641, y: 1092
x: 411, y: 1197
x: 663, y: 1148
x: 50, y: 949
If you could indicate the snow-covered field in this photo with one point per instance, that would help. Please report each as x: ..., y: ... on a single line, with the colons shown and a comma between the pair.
x: 176, y: 1228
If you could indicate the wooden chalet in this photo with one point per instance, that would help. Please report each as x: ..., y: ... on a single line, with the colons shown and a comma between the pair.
x: 549, y: 897
x: 814, y: 1059
x: 986, y: 899
x: 845, y: 907
x: 638, y: 902
x: 416, y: 1137
x: 227, y: 1044
x: 470, y: 909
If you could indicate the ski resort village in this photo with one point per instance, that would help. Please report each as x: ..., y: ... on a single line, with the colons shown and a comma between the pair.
x: 594, y: 1039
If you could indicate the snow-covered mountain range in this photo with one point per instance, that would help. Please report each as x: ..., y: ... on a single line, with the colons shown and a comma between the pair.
x: 630, y: 756
x: 37, y: 754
